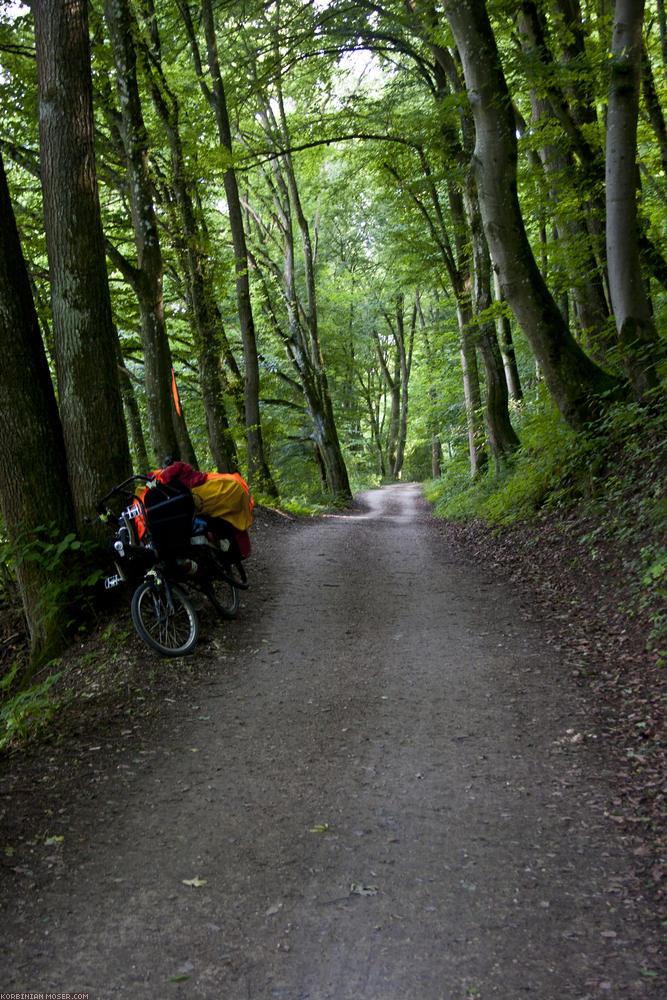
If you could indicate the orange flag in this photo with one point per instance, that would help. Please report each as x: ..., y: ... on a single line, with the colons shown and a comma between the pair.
x: 174, y: 390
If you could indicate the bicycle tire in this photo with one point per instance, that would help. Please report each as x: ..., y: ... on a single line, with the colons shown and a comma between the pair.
x: 223, y: 596
x: 171, y: 634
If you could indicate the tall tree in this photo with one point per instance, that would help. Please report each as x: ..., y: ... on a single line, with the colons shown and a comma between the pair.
x: 83, y: 332
x: 636, y: 329
x: 259, y: 474
x: 397, y: 381
x: 34, y: 489
x: 300, y: 334
x: 504, y: 329
x: 207, y: 322
x: 575, y: 382
x: 503, y: 440
x: 146, y: 277
x: 548, y: 103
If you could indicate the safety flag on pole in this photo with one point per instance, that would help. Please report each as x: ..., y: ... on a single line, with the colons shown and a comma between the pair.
x: 174, y: 390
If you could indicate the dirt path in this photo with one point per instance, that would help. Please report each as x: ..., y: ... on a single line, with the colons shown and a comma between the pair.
x: 388, y: 793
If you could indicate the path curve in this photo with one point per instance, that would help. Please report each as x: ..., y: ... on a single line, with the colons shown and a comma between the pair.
x: 386, y: 794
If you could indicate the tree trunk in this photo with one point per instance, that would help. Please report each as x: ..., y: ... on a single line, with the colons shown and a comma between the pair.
x: 259, y: 475
x: 405, y: 362
x: 34, y: 488
x: 653, y: 107
x: 374, y: 421
x: 393, y: 388
x: 207, y: 320
x: 503, y: 440
x: 504, y: 328
x: 132, y: 416
x: 301, y: 338
x: 574, y: 381
x: 460, y: 278
x: 471, y: 391
x: 636, y: 329
x: 146, y: 278
x: 398, y: 383
x: 84, y: 338
x: 557, y: 162
x: 326, y: 433
x: 436, y: 444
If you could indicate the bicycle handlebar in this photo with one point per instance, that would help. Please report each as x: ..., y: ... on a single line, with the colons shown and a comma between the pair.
x: 122, y: 489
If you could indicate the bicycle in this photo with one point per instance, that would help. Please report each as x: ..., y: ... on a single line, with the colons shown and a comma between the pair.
x: 162, y: 548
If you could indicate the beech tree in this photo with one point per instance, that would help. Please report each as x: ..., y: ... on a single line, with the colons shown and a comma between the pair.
x: 206, y: 320
x: 575, y: 382
x: 34, y: 488
x: 287, y: 220
x: 550, y: 106
x: 241, y: 197
x: 632, y: 311
x: 259, y: 474
x: 146, y: 276
x: 83, y: 333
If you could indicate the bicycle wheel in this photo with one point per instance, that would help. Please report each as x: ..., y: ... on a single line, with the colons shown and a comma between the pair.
x: 170, y: 632
x: 223, y: 596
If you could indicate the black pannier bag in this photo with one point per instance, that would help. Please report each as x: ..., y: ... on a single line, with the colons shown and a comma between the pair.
x: 170, y: 512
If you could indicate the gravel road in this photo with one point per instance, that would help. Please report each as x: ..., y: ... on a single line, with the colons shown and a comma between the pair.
x: 388, y: 791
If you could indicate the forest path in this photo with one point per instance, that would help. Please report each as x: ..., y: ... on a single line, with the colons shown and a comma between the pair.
x: 388, y: 794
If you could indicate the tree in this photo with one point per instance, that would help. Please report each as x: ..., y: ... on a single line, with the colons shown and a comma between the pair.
x: 503, y: 440
x: 347, y: 187
x: 83, y: 332
x: 575, y: 382
x: 397, y: 382
x: 146, y: 277
x: 287, y: 224
x: 259, y: 474
x: 207, y: 323
x: 636, y: 329
x: 550, y: 112
x: 34, y: 490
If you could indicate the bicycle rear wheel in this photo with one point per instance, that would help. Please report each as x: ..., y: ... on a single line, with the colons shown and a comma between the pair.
x: 223, y: 596
x: 172, y: 632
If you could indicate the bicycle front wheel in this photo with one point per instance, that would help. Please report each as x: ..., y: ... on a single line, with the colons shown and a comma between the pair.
x: 171, y: 631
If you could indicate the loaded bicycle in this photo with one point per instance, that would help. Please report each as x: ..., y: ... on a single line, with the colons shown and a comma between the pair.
x: 164, y: 547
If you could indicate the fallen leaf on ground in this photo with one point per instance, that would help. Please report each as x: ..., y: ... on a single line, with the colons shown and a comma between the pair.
x: 357, y: 889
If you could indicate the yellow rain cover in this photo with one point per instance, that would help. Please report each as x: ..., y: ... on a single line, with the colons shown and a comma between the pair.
x: 223, y: 495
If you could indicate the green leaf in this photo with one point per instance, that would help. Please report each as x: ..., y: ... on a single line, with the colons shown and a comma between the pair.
x: 194, y: 882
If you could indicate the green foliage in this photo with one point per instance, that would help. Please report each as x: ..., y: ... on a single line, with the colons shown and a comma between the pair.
x: 614, y: 476
x: 535, y: 474
x: 65, y: 561
x: 29, y: 708
x: 70, y: 583
x: 68, y: 577
x: 379, y: 217
x: 622, y: 454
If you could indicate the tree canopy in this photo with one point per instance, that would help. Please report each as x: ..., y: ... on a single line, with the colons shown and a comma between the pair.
x: 325, y: 243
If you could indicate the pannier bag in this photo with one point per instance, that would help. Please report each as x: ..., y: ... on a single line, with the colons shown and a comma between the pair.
x: 179, y: 492
x: 224, y: 495
x: 170, y: 509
